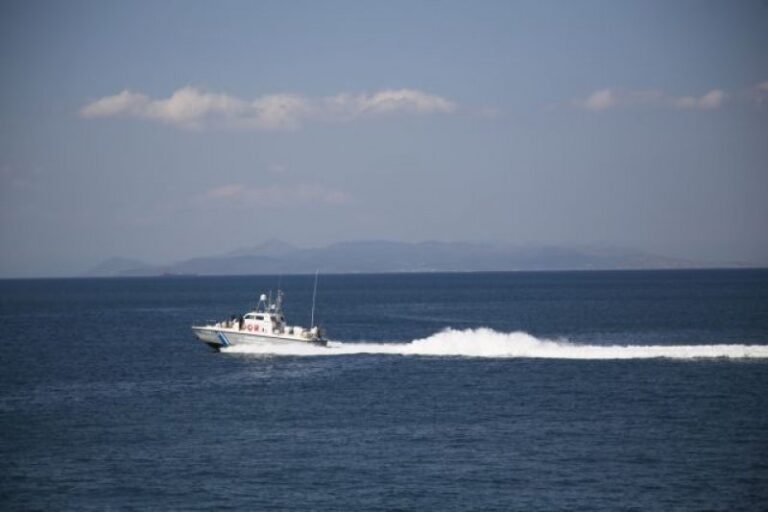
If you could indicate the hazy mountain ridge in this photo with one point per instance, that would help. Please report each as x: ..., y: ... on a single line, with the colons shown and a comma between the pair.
x: 118, y: 266
x: 277, y: 257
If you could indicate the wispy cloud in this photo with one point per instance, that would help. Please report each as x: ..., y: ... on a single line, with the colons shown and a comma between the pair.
x: 713, y: 99
x: 351, y: 106
x: 190, y: 107
x: 276, y: 195
x: 599, y: 100
x: 605, y: 99
x: 759, y: 93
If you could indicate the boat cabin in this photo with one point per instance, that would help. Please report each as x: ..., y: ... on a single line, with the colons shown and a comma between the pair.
x: 261, y: 321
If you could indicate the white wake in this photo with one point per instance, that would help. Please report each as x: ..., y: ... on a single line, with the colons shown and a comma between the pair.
x: 488, y: 343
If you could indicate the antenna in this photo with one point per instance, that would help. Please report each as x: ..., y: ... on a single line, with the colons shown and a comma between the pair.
x: 314, y: 294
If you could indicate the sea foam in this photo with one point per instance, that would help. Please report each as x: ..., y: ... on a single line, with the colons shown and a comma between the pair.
x: 484, y: 342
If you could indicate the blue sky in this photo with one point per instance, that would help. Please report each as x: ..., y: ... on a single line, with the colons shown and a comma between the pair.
x: 166, y: 130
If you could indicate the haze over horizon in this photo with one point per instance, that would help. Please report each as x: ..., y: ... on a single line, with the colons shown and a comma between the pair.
x: 168, y: 130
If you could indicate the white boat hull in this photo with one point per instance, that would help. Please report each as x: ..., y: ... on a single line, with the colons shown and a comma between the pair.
x: 218, y: 338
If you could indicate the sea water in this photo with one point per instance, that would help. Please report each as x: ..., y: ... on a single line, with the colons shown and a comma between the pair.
x: 487, y: 391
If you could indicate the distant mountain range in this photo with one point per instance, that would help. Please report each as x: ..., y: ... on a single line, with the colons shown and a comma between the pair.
x: 278, y: 257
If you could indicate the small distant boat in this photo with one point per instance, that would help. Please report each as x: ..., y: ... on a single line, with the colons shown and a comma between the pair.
x: 266, y: 324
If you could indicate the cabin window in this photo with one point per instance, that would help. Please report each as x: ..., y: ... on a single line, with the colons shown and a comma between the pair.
x: 259, y: 317
x: 249, y: 317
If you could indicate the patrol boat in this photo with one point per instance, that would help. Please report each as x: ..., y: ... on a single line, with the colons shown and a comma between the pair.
x: 266, y: 324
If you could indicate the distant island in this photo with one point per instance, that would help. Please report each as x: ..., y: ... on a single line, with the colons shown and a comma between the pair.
x: 278, y: 257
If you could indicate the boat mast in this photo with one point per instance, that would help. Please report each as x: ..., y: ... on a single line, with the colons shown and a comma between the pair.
x: 314, y: 294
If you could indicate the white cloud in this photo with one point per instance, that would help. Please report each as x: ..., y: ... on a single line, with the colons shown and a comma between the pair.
x: 604, y: 99
x: 126, y: 102
x: 685, y: 102
x: 711, y: 100
x: 388, y: 101
x: 279, y: 111
x: 190, y: 107
x: 186, y: 107
x: 275, y: 195
x: 600, y: 100
x: 759, y: 93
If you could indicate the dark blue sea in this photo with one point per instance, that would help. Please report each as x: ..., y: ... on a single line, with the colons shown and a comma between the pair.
x: 445, y: 392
